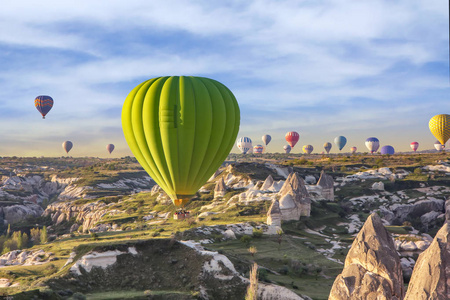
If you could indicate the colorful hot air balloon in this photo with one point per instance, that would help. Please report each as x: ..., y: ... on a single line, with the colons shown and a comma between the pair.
x: 43, y: 104
x: 340, y: 141
x: 372, y: 144
x: 258, y: 149
x: 180, y: 129
x: 387, y: 150
x: 244, y: 144
x: 266, y: 139
x: 110, y: 148
x: 353, y: 150
x: 308, y: 149
x: 287, y: 149
x: 440, y: 127
x: 292, y: 138
x: 438, y: 146
x: 67, y: 145
x: 327, y: 147
x: 414, y: 146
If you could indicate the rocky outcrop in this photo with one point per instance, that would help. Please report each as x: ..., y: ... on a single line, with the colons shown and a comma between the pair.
x: 88, y: 214
x: 221, y: 189
x: 326, y: 182
x: 294, y: 198
x: 16, y: 213
x: 268, y: 183
x: 372, y: 267
x: 378, y: 186
x: 274, y: 214
x: 25, y: 257
x: 431, y: 275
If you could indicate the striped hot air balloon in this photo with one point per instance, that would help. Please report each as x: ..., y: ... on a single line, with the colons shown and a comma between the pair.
x: 372, y: 144
x: 327, y: 146
x: 258, y: 149
x: 308, y: 149
x: 244, y: 144
x: 387, y: 150
x: 287, y: 149
x: 414, y: 146
x: 292, y: 138
x: 353, y: 150
x: 43, y: 104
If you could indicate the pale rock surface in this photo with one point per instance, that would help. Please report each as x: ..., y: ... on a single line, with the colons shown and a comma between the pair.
x: 326, y: 182
x: 431, y: 275
x: 274, y: 214
x: 221, y: 189
x: 309, y: 179
x: 294, y: 198
x: 16, y: 213
x: 372, y: 267
x: 378, y: 186
x: 268, y: 183
x: 276, y: 292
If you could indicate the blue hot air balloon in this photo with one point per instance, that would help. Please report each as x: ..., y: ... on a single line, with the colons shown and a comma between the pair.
x: 372, y: 144
x: 340, y: 141
x: 387, y: 150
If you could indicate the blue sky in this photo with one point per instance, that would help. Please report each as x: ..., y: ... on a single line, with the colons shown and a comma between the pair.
x: 321, y: 68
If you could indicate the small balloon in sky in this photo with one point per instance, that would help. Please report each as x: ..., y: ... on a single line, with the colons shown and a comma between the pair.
x: 308, y: 149
x: 387, y: 150
x: 327, y: 146
x: 266, y: 139
x: 244, y: 144
x: 353, y: 150
x: 67, y: 145
x: 438, y: 146
x: 414, y: 146
x: 287, y: 149
x: 43, y: 104
x: 292, y: 138
x: 372, y: 144
x: 440, y: 127
x: 340, y: 141
x: 110, y: 148
x: 258, y: 149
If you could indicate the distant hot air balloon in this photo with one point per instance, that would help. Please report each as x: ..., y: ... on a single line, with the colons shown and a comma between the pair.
x: 340, y: 141
x: 414, y: 146
x: 43, y: 104
x: 266, y: 139
x: 440, y: 127
x: 308, y: 149
x: 258, y: 149
x: 110, y: 148
x: 372, y: 144
x: 438, y: 146
x: 353, y: 150
x: 292, y: 138
x: 180, y: 129
x: 67, y: 145
x: 327, y: 147
x: 244, y: 144
x: 387, y: 150
x: 287, y: 149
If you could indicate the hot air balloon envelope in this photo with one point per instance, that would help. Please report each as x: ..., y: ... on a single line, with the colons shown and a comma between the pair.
x: 340, y: 141
x: 67, y: 145
x: 244, y: 144
x: 387, y: 150
x: 414, y: 146
x: 292, y: 138
x: 110, y: 148
x: 440, y: 127
x: 353, y: 150
x: 438, y: 146
x: 308, y: 149
x: 266, y: 139
x: 180, y: 129
x: 43, y: 104
x: 327, y: 147
x: 372, y: 144
x: 258, y: 149
x: 287, y: 149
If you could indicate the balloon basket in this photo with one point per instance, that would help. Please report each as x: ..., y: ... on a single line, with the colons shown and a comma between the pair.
x: 181, y: 215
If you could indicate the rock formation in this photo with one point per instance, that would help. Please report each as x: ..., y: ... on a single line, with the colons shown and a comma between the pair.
x: 274, y: 214
x: 431, y: 275
x: 16, y: 213
x: 268, y: 183
x: 372, y: 267
x: 294, y: 198
x: 221, y: 189
x: 326, y: 182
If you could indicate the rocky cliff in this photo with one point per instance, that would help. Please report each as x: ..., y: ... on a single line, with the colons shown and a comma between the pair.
x: 431, y: 274
x: 372, y: 267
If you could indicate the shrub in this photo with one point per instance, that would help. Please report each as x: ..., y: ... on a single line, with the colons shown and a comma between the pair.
x: 417, y: 171
x: 246, y: 239
x: 257, y: 233
x: 44, y: 236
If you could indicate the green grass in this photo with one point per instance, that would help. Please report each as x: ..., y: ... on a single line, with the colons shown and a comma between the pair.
x: 131, y: 294
x: 397, y: 229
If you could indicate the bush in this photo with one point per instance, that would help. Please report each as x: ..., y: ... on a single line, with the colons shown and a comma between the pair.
x: 246, y: 239
x: 417, y: 171
x: 257, y: 233
x: 94, y: 236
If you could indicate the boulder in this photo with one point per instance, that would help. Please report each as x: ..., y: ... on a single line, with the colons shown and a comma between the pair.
x: 378, y: 186
x: 372, y: 267
x: 274, y: 214
x: 431, y: 275
x: 309, y: 179
x: 326, y: 182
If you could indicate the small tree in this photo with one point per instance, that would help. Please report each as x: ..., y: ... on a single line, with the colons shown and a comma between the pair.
x: 280, y: 238
x: 17, y: 238
x: 44, y: 235
x: 252, y: 250
x: 35, y: 235
x: 25, y: 240
x: 252, y: 289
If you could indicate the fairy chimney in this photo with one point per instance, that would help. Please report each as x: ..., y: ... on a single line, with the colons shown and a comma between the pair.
x: 326, y: 182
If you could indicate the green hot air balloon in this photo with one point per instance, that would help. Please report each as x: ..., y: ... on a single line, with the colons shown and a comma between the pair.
x: 180, y: 129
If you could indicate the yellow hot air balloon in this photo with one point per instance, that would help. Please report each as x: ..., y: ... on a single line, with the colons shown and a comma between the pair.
x: 440, y: 127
